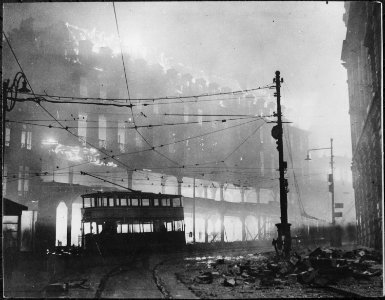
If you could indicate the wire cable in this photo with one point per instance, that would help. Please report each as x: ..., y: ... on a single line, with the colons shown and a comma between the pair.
x: 267, y: 86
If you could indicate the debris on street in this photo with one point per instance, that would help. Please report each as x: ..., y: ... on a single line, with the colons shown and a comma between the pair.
x: 321, y: 272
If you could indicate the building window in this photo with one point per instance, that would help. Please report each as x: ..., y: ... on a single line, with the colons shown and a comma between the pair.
x: 171, y: 147
x: 5, y: 174
x: 138, y: 140
x: 23, y: 180
x: 82, y: 128
x: 7, y: 136
x: 26, y: 138
x: 102, y: 132
x: 121, y: 136
x: 26, y: 179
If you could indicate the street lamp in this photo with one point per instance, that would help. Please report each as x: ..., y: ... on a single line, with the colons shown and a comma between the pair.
x: 330, y: 178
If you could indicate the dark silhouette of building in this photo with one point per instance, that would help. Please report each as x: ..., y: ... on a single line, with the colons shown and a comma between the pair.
x: 361, y: 56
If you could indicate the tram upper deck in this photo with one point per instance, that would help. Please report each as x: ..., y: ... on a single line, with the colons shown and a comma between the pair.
x: 121, y: 220
x: 131, y: 205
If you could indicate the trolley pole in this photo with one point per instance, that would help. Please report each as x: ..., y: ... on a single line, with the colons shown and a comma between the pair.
x: 284, y: 237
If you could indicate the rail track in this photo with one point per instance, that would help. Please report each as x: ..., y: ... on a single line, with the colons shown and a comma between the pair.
x: 322, y: 291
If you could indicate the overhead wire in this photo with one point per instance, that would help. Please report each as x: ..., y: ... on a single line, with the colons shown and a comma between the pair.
x: 138, y: 126
x: 267, y: 86
x: 49, y: 113
x: 131, y: 109
x: 167, y: 144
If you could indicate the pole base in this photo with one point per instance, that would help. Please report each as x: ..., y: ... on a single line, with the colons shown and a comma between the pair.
x: 284, y: 238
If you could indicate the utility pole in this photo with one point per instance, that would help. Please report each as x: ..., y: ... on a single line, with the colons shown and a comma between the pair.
x: 332, y: 180
x: 284, y: 237
x: 3, y: 116
x: 194, y: 210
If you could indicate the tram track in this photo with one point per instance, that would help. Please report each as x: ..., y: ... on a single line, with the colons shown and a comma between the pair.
x: 327, y: 291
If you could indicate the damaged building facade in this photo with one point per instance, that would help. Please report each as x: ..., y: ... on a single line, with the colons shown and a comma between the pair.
x: 176, y: 149
x: 361, y: 56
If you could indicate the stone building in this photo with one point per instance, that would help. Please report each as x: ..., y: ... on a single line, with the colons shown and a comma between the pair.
x: 361, y: 56
x: 46, y: 154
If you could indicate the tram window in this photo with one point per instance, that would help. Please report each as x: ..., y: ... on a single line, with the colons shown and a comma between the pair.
x: 124, y: 228
x: 134, y: 202
x: 93, y: 227
x: 147, y: 228
x: 176, y: 202
x: 145, y: 202
x: 87, y: 202
x: 165, y: 202
x: 119, y: 228
x: 99, y: 200
x: 156, y: 202
x: 178, y: 225
x: 100, y: 228
x: 86, y: 227
x: 105, y: 202
x: 135, y: 228
x: 110, y: 201
x: 123, y: 202
x: 169, y: 226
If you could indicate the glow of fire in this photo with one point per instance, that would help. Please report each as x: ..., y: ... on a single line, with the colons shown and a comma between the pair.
x: 77, y: 154
x: 49, y: 141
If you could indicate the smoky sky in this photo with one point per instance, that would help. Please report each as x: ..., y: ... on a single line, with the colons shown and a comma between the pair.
x: 240, y: 44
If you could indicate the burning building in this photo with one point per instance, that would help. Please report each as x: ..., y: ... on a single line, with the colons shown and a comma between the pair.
x: 216, y: 147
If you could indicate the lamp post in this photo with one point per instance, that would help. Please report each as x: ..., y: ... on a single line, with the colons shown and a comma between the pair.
x: 330, y: 179
x: 10, y: 93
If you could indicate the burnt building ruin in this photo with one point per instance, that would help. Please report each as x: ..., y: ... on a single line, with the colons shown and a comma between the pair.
x: 361, y: 56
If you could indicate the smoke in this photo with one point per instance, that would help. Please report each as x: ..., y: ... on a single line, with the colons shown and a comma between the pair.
x: 236, y: 44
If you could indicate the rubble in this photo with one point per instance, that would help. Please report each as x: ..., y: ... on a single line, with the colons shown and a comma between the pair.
x: 321, y: 267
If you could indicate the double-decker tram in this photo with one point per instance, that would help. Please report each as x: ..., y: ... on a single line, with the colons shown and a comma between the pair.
x: 115, y: 222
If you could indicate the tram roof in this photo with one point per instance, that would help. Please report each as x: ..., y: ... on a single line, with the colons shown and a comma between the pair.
x: 129, y: 194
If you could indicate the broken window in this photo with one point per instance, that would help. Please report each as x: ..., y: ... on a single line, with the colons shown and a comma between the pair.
x: 7, y: 136
x: 82, y: 128
x: 23, y: 180
x: 138, y: 140
x: 102, y: 132
x: 171, y: 147
x: 26, y: 138
x: 5, y: 174
x: 26, y: 179
x: 121, y: 136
